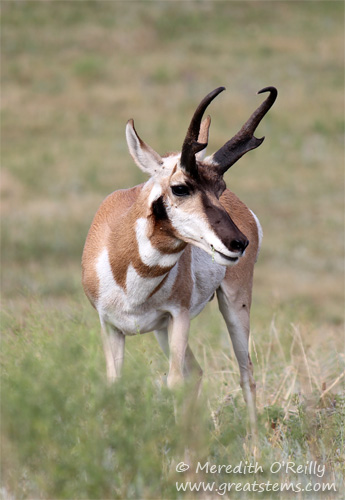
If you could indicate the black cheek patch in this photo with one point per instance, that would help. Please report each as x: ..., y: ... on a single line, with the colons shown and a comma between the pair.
x: 159, y: 210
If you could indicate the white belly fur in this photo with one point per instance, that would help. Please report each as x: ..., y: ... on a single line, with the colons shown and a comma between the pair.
x: 132, y: 312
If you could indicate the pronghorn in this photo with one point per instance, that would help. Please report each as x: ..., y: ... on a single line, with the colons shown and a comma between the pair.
x: 156, y: 253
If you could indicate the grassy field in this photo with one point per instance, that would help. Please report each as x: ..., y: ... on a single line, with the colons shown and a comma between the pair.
x: 72, y: 74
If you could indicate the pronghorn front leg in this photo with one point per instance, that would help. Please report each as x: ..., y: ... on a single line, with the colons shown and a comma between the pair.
x: 178, y: 331
x: 114, y: 348
x: 235, y: 310
x: 183, y: 367
x: 182, y: 363
x: 191, y: 367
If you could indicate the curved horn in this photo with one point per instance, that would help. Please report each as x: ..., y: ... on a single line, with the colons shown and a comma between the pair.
x: 244, y: 140
x: 191, y: 146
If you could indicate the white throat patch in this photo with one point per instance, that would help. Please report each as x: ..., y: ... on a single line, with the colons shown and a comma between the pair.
x: 149, y: 255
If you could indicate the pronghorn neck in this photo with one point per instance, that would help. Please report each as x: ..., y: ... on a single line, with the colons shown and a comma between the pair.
x: 155, y: 235
x: 156, y: 248
x: 142, y: 247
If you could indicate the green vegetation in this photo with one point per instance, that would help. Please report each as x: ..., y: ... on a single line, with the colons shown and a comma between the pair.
x: 72, y: 74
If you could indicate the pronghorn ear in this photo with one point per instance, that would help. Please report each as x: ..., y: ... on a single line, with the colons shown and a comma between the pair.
x: 144, y: 156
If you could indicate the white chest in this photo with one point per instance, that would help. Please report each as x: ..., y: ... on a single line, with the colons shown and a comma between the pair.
x: 132, y: 310
x: 137, y: 309
x: 207, y: 275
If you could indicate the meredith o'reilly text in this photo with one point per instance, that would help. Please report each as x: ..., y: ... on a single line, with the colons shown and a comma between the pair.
x: 311, y: 468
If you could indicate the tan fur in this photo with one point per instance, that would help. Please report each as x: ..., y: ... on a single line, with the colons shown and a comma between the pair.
x: 113, y: 228
x: 242, y: 273
x: 113, y: 208
x: 182, y: 289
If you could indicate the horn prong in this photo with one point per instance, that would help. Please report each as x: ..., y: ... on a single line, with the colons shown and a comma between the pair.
x: 191, y: 145
x: 204, y: 130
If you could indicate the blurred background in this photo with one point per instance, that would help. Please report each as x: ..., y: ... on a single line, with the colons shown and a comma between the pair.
x: 73, y: 73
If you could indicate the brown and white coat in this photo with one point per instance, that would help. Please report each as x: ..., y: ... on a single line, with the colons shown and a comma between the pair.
x: 156, y: 253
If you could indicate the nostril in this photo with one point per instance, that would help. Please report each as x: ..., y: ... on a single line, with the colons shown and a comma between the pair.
x: 239, y: 245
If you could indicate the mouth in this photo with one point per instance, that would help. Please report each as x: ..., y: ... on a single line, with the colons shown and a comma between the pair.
x: 226, y: 257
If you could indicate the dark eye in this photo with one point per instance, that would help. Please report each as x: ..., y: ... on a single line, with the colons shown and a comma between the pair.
x: 180, y: 190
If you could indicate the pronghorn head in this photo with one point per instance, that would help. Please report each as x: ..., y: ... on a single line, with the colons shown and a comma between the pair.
x: 185, y: 188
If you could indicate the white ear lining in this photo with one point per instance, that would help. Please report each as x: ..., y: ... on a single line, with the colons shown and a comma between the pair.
x: 144, y: 156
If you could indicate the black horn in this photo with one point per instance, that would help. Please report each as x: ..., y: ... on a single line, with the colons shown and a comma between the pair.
x: 244, y: 140
x: 191, y: 146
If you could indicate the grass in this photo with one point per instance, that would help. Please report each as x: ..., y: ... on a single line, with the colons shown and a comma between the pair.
x: 68, y: 435
x: 72, y: 75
